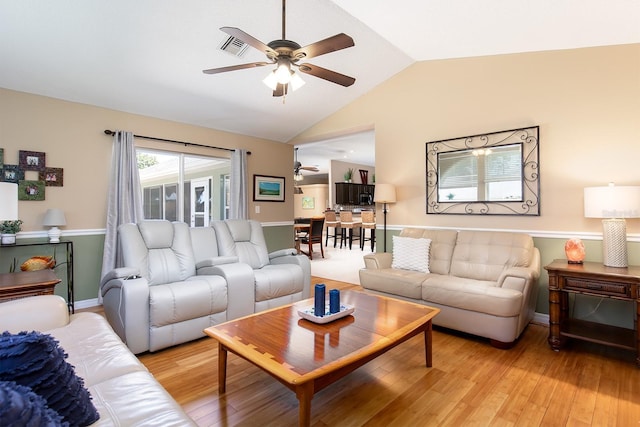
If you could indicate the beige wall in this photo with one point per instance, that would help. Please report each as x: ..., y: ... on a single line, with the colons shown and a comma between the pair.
x: 586, y: 102
x: 72, y: 137
x: 320, y: 194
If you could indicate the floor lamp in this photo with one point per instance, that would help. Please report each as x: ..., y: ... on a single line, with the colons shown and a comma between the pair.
x: 385, y: 194
x: 613, y: 204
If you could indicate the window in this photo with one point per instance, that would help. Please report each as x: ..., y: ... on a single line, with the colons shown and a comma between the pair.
x: 181, y: 187
x: 491, y: 174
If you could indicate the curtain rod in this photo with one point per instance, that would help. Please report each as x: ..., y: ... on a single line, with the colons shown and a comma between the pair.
x: 190, y: 144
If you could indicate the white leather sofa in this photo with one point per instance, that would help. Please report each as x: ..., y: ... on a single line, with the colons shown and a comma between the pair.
x: 485, y: 283
x: 123, y: 391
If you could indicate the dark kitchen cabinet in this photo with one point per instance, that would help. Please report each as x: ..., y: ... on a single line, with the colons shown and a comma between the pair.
x: 350, y: 194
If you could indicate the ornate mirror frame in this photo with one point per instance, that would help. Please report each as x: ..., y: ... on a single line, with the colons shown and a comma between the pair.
x: 528, y: 204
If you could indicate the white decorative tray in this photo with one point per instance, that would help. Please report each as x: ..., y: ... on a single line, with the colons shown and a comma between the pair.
x: 308, y: 313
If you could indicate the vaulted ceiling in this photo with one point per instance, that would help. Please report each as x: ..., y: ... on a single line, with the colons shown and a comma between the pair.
x: 147, y: 56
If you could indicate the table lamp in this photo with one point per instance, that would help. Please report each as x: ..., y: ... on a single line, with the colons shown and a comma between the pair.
x: 54, y: 218
x: 8, y: 208
x: 613, y: 204
x: 385, y: 194
x: 8, y: 201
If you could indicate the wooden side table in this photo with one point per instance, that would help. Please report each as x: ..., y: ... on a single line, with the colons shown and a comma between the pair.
x: 27, y: 283
x: 597, y: 280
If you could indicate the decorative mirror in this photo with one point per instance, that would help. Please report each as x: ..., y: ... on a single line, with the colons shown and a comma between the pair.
x: 489, y: 174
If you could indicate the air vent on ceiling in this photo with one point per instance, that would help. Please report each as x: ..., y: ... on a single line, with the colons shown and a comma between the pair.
x: 234, y: 46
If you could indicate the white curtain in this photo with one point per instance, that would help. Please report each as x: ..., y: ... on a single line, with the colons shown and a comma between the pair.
x: 124, y: 204
x: 239, y: 208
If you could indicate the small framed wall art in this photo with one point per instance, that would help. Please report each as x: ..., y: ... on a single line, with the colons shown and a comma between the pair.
x: 268, y: 188
x: 32, y: 160
x: 52, y: 177
x: 31, y: 190
x: 12, y: 173
x: 308, y: 203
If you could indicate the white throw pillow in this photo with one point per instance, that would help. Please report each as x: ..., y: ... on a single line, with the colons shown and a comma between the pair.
x: 411, y: 254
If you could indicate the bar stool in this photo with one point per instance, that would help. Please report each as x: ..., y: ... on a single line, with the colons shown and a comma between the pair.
x: 330, y: 221
x: 347, y: 223
x: 368, y: 223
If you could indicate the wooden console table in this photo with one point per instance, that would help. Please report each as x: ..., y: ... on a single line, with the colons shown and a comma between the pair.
x: 27, y: 283
x: 594, y: 279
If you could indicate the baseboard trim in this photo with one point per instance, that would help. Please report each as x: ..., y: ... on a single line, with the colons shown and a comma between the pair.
x: 540, y: 319
x: 87, y: 303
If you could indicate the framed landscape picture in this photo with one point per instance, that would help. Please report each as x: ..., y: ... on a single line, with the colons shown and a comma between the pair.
x: 268, y: 188
x: 308, y: 203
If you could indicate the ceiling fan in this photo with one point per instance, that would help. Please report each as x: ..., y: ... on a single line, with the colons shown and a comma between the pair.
x: 286, y: 54
x: 297, y: 167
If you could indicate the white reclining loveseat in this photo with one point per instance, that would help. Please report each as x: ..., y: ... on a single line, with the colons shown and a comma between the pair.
x: 484, y: 282
x: 177, y: 281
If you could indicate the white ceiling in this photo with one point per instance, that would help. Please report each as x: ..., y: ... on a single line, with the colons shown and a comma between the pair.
x: 147, y: 56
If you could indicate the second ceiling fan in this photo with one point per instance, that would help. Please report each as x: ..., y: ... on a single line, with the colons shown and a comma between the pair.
x: 286, y: 54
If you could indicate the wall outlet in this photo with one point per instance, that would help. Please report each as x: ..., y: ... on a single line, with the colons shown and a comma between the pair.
x: 257, y: 209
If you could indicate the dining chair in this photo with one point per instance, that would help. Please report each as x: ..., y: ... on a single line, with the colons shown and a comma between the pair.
x: 331, y: 221
x: 348, y: 223
x: 368, y: 223
x: 314, y: 236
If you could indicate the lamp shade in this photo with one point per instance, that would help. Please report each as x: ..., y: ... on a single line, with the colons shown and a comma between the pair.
x: 612, y: 202
x: 54, y: 218
x: 8, y: 201
x: 385, y: 193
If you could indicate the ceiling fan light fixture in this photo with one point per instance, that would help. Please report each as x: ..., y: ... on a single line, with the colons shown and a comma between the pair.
x: 283, y: 73
x: 298, y: 176
x: 271, y: 80
x: 296, y: 81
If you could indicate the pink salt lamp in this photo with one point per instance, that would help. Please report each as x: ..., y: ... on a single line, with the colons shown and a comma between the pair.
x: 574, y: 248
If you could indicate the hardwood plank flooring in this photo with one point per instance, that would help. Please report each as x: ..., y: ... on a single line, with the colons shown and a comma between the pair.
x: 470, y: 383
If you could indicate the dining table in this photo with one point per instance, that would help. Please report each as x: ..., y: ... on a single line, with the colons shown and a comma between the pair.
x: 297, y: 229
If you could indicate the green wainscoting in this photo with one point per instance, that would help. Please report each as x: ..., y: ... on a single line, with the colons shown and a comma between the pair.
x: 278, y: 237
x: 87, y: 254
x: 88, y: 265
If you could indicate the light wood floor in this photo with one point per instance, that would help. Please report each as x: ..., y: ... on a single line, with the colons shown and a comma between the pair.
x: 470, y: 384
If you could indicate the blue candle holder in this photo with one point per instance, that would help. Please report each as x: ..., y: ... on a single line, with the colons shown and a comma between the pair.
x: 334, y: 301
x: 319, y: 300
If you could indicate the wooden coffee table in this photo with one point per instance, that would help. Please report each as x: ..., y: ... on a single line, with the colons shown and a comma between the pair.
x: 307, y: 357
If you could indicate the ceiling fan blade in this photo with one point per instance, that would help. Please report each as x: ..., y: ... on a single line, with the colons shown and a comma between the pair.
x: 235, y: 67
x: 325, y: 74
x: 281, y: 90
x: 331, y: 44
x: 310, y: 168
x: 250, y: 40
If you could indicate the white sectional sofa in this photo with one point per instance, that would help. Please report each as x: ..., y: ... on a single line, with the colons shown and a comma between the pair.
x: 485, y: 283
x: 122, y: 389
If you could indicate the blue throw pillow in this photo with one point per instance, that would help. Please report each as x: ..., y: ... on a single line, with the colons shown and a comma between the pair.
x: 20, y: 406
x: 35, y: 360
